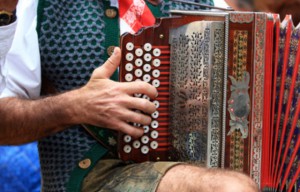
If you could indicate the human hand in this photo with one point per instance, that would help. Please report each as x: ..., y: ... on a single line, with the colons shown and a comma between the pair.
x: 110, y: 104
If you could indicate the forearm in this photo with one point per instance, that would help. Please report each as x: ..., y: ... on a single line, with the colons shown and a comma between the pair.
x: 24, y: 120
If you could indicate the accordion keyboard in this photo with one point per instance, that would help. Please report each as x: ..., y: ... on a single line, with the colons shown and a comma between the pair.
x: 149, y: 63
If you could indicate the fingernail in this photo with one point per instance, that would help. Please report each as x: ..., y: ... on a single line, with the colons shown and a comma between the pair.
x: 114, y: 51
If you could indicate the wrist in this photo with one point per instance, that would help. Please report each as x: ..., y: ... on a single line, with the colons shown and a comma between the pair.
x: 72, y: 105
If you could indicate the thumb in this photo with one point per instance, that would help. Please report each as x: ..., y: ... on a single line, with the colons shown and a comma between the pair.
x: 109, y: 67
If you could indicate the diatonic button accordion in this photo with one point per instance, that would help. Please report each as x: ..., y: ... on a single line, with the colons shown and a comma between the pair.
x: 228, y: 88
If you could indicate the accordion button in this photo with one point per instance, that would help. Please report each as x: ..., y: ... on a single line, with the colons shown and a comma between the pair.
x: 146, y: 128
x: 154, y: 124
x: 154, y: 145
x: 137, y: 94
x: 147, y: 78
x: 138, y: 62
x: 129, y: 67
x: 156, y: 103
x: 156, y: 73
x: 147, y: 67
x: 129, y: 46
x: 156, y: 83
x: 129, y: 56
x: 156, y: 62
x: 136, y: 124
x: 136, y: 144
x: 147, y: 57
x: 127, y: 149
x: 156, y: 52
x: 146, y: 97
x: 155, y: 115
x: 145, y: 139
x: 139, y: 52
x: 128, y: 77
x: 154, y: 134
x: 127, y: 138
x: 138, y: 72
x: 145, y: 149
x: 147, y: 47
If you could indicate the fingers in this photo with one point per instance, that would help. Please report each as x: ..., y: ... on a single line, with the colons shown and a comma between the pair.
x: 140, y: 87
x: 137, y: 118
x: 131, y: 130
x: 109, y: 67
x: 141, y: 104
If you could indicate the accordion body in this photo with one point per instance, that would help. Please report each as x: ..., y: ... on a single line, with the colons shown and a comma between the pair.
x: 228, y: 85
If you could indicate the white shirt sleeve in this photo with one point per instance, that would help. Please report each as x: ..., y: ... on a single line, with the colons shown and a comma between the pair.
x: 20, y: 71
x: 6, y: 37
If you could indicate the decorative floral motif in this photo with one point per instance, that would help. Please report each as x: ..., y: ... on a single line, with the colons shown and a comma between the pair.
x: 241, y: 18
x: 239, y: 105
x: 112, y: 141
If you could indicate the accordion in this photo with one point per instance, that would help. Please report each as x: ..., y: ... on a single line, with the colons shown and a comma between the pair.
x: 229, y: 87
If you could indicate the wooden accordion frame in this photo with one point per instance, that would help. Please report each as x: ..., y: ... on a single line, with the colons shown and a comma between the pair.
x: 228, y: 86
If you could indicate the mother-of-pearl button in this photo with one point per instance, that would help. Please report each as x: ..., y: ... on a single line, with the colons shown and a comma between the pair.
x: 138, y: 62
x: 147, y: 47
x: 156, y: 62
x: 138, y: 72
x: 129, y: 46
x: 145, y: 139
x: 155, y: 115
x: 128, y: 67
x: 128, y: 77
x: 146, y: 128
x: 147, y: 57
x: 154, y: 144
x: 156, y: 73
x: 154, y: 134
x: 156, y: 103
x: 147, y: 78
x: 129, y: 56
x: 127, y: 138
x: 147, y: 67
x: 154, y: 124
x: 156, y: 52
x: 145, y: 149
x: 156, y: 83
x: 136, y: 144
x: 127, y: 149
x: 139, y: 52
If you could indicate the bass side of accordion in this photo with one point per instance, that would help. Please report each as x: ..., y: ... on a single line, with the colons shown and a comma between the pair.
x: 228, y: 88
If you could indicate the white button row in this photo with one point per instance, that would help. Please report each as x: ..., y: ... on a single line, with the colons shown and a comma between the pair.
x: 144, y: 149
